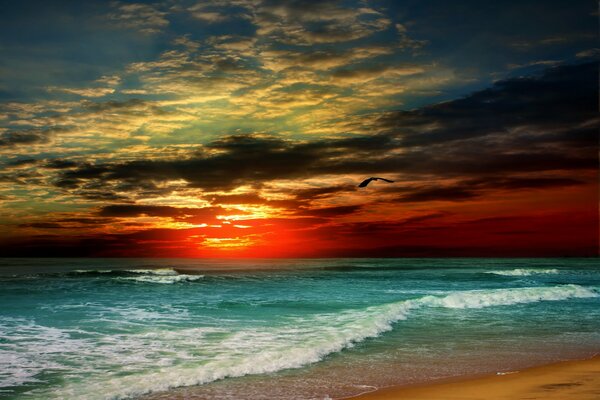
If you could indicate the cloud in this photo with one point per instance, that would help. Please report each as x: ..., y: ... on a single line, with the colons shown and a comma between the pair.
x: 238, y: 160
x: 42, y: 225
x: 135, y: 210
x: 60, y: 164
x: 295, y: 199
x: 196, y: 75
x: 188, y: 215
x: 482, y: 133
x: 24, y: 137
x: 207, y: 13
x: 20, y: 162
x: 306, y: 22
x: 330, y: 212
x: 321, y: 192
x: 430, y: 234
x: 523, y: 182
x: 515, y: 141
x: 407, y: 42
x: 225, y: 81
x: 439, y: 194
x: 275, y: 110
x: 144, y: 18
x: 320, y: 59
x: 242, y: 198
x: 110, y: 80
x: 367, y: 73
x: 538, y: 108
x: 469, y: 189
x: 84, y: 92
x: 129, y: 106
x: 591, y: 53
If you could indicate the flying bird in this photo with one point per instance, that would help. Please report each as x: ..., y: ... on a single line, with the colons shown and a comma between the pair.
x: 373, y: 178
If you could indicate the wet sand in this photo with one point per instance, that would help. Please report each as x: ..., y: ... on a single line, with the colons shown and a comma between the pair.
x: 568, y: 380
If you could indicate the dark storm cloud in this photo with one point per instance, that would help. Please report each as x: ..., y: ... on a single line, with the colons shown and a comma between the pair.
x: 69, y: 223
x: 25, y: 137
x: 85, y: 220
x: 550, y: 112
x: 330, y: 212
x: 523, y: 183
x: 84, y: 171
x: 366, y: 229
x: 322, y: 192
x: 21, y: 162
x: 562, y: 97
x: 131, y: 210
x: 475, y: 187
x: 573, y: 137
x: 27, y: 178
x: 99, y: 195
x: 60, y: 164
x: 238, y: 167
x: 42, y: 225
x: 31, y: 136
x: 243, y: 159
x: 439, y: 193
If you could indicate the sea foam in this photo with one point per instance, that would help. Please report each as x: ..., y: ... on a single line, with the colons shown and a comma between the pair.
x: 524, y: 272
x: 167, y: 276
x: 157, y: 275
x: 303, y: 341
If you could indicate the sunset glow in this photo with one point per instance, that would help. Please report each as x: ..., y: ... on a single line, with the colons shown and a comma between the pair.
x: 242, y: 129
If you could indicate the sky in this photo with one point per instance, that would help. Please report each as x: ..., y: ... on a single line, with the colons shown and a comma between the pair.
x: 241, y: 128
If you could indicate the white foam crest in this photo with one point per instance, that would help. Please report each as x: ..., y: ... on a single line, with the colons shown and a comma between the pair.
x: 161, y: 276
x: 504, y: 297
x: 156, y: 271
x: 99, y: 271
x: 303, y: 341
x: 524, y: 272
x: 168, y: 279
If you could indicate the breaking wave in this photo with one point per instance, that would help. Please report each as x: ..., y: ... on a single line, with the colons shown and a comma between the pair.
x: 167, y: 276
x: 158, y: 275
x: 524, y: 272
x: 303, y: 341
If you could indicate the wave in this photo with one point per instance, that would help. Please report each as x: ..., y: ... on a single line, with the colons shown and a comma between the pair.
x: 163, y: 275
x: 505, y: 297
x: 156, y: 275
x: 121, y: 272
x: 168, y: 279
x: 524, y: 272
x: 303, y: 341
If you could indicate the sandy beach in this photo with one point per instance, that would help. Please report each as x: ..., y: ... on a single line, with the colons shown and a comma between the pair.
x: 569, y: 380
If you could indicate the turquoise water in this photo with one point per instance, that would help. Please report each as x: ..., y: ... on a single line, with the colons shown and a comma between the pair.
x: 287, y: 329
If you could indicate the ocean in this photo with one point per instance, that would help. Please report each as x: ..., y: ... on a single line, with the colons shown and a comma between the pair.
x: 283, y: 329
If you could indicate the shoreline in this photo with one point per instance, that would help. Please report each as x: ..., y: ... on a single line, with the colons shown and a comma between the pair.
x: 573, y: 380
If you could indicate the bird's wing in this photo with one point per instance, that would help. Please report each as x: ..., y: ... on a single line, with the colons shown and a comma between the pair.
x: 376, y: 178
x: 365, y: 182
